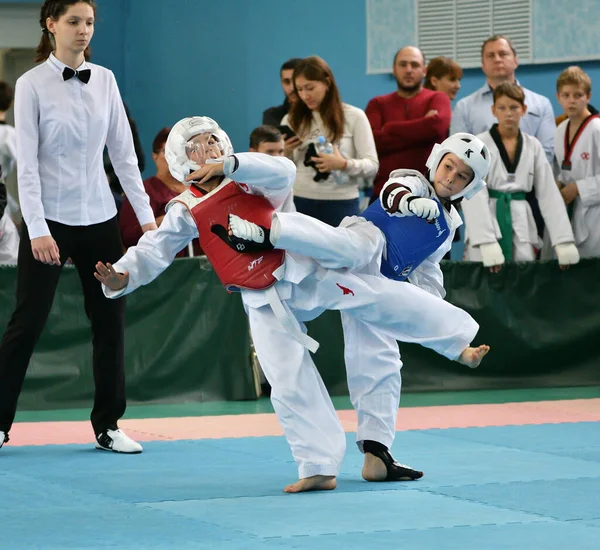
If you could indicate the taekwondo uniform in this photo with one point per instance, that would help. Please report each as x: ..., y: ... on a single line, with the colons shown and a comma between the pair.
x: 409, y: 249
x: 501, y: 213
x: 579, y: 161
x: 282, y: 290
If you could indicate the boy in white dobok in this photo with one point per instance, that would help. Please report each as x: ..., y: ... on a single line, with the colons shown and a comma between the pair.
x: 281, y: 291
x: 499, y: 221
x: 416, y: 220
x: 577, y: 153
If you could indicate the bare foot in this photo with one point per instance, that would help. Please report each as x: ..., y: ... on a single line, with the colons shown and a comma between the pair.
x: 313, y: 483
x: 471, y: 357
x: 373, y: 469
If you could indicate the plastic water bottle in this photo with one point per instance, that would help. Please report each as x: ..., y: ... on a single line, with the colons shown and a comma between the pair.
x: 323, y: 146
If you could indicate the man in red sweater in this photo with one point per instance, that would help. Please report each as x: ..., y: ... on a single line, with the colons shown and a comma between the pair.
x: 408, y: 122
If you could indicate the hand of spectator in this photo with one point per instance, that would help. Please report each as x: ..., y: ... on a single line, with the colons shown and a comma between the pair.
x: 290, y: 145
x: 206, y: 172
x: 45, y: 250
x: 569, y: 192
x: 149, y: 227
x: 492, y: 256
x: 107, y: 275
x: 432, y: 112
x: 159, y: 220
x: 327, y: 163
x: 566, y: 254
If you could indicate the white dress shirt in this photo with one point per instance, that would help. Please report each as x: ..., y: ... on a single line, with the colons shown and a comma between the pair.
x: 62, y: 128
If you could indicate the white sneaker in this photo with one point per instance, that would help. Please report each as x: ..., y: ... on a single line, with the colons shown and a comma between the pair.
x: 3, y: 439
x: 118, y: 442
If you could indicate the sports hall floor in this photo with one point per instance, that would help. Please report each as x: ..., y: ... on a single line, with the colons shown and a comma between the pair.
x: 503, y: 469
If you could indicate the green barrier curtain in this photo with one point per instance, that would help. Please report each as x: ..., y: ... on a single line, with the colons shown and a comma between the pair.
x: 543, y: 326
x: 186, y: 339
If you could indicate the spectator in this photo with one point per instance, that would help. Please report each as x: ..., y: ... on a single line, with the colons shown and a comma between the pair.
x: 408, y: 122
x: 577, y: 149
x: 327, y: 185
x: 9, y: 236
x: 443, y: 75
x: 161, y: 189
x: 273, y: 115
x: 499, y: 220
x: 473, y: 113
x: 564, y: 116
x: 269, y: 140
x: 8, y: 141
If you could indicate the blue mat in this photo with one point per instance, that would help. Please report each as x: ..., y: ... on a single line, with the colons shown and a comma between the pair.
x: 484, y: 488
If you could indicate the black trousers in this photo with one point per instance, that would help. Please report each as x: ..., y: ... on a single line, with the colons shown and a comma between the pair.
x: 36, y: 285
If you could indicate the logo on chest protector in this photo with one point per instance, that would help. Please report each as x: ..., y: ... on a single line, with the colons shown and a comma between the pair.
x: 439, y: 229
x: 254, y: 263
x: 345, y: 290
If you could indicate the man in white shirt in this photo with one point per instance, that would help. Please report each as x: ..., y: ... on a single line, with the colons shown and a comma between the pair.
x: 473, y: 114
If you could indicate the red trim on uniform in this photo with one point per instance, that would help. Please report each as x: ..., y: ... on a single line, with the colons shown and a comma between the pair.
x: 566, y: 164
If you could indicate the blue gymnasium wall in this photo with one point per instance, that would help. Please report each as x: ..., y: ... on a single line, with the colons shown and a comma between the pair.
x: 181, y: 57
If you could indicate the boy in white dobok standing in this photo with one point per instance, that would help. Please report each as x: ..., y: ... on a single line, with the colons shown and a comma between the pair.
x: 416, y: 219
x: 499, y: 221
x: 282, y: 290
x: 577, y: 150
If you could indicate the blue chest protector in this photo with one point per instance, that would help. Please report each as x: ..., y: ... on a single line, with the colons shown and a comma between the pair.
x: 410, y: 240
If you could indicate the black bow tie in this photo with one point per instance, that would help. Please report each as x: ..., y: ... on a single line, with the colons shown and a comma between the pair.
x: 84, y: 75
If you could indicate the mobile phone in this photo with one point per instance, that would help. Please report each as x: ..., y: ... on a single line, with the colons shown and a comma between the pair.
x: 286, y: 132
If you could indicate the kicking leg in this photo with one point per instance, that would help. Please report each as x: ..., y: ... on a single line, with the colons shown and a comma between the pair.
x: 353, y: 244
x: 471, y: 357
x: 400, y: 310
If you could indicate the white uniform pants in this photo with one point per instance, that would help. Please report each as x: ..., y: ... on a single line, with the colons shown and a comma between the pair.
x: 376, y: 312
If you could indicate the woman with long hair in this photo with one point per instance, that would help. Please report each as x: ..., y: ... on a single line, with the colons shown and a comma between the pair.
x: 66, y: 111
x: 327, y: 184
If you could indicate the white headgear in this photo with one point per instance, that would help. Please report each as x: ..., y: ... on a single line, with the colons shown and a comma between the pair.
x: 472, y: 151
x: 180, y: 165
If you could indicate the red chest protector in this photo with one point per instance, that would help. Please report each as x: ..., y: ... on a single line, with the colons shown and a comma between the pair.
x: 236, y: 271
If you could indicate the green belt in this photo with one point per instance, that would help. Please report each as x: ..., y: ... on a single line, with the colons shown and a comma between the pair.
x: 504, y: 217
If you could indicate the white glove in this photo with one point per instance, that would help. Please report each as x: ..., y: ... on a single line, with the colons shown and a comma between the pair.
x: 491, y: 254
x: 567, y: 253
x: 420, y: 207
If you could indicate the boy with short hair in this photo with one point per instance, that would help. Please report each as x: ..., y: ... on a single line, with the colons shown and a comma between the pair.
x: 499, y: 221
x: 268, y: 140
x: 577, y: 152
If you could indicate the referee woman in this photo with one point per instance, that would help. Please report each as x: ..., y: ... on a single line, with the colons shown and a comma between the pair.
x: 66, y: 111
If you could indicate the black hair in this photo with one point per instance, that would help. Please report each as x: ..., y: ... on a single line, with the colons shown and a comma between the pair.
x: 264, y: 133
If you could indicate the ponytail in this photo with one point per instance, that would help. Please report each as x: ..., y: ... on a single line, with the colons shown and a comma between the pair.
x: 45, y: 47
